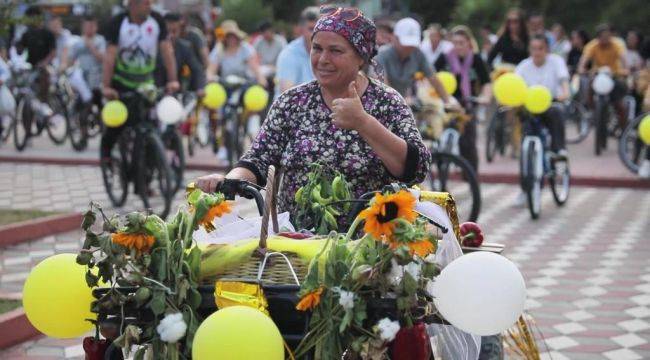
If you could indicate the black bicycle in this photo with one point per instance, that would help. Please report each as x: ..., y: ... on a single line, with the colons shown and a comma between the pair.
x: 631, y: 149
x: 139, y: 157
x: 498, y: 134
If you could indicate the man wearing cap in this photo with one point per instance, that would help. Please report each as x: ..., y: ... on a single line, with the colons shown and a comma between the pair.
x: 403, y: 59
x: 294, y: 66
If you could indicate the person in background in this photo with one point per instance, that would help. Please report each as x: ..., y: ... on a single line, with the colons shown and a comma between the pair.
x: 40, y: 44
x: 633, y: 41
x: 433, y: 45
x: 88, y: 53
x: 293, y: 66
x: 488, y: 39
x: 579, y: 38
x: 196, y: 39
x: 473, y: 78
x: 548, y: 70
x: 234, y: 56
x: 268, y: 46
x: 512, y: 46
x: 562, y: 44
x: 63, y: 41
x: 401, y: 61
x: 536, y: 26
x: 606, y: 51
x: 384, y: 33
x: 189, y: 70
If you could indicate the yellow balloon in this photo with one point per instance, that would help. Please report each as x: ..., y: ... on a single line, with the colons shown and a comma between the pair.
x: 256, y: 98
x: 448, y: 81
x: 510, y: 89
x: 238, y: 333
x: 215, y: 96
x: 538, y: 99
x: 114, y: 113
x: 644, y: 130
x: 56, y: 298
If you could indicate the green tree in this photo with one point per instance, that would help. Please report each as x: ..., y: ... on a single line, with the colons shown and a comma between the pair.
x: 247, y: 13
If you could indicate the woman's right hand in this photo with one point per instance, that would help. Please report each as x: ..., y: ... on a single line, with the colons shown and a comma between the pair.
x: 210, y: 182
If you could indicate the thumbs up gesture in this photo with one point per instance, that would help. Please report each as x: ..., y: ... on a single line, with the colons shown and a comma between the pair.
x: 348, y: 112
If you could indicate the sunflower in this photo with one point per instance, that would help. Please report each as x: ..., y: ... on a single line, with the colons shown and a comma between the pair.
x: 418, y: 75
x: 386, y: 208
x: 421, y: 248
x: 310, y: 300
x: 215, y: 212
x: 139, y: 242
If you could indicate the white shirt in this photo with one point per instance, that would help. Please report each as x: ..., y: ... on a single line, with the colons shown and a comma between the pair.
x: 550, y: 74
x: 432, y: 55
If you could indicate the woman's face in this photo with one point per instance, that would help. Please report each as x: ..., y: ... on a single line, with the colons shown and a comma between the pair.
x: 334, y: 61
x: 231, y: 40
x: 632, y: 40
x: 435, y: 37
x: 461, y: 44
x: 513, y: 23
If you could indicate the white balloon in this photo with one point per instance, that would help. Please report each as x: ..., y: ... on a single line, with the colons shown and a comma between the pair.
x: 169, y: 110
x: 602, y: 84
x: 481, y: 293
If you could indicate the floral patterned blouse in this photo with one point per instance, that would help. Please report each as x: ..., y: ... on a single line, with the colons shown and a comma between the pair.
x: 298, y: 131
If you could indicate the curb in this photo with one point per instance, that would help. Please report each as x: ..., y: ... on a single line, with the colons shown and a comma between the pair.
x: 575, y: 181
x: 92, y: 162
x: 494, y: 178
x: 15, y: 328
x: 37, y: 228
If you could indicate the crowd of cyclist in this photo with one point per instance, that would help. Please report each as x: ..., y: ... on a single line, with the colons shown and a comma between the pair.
x: 142, y: 46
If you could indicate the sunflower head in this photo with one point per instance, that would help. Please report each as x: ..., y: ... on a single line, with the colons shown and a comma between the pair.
x: 310, y: 300
x: 215, y: 211
x: 384, y: 210
x: 140, y: 242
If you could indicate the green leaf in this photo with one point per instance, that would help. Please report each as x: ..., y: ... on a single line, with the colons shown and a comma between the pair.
x: 194, y: 196
x: 182, y: 287
x: 84, y: 258
x: 88, y: 220
x: 194, y: 262
x: 157, y: 303
x: 346, y: 321
x: 410, y: 284
x: 194, y: 298
x: 91, y: 279
x: 142, y: 295
x: 139, y: 355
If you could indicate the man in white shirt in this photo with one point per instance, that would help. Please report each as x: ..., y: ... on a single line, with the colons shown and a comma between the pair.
x: 550, y: 71
x: 433, y: 44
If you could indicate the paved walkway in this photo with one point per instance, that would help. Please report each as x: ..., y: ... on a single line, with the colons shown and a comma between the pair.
x: 586, y: 265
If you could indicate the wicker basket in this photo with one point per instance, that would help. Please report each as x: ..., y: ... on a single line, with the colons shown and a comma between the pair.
x: 262, y: 266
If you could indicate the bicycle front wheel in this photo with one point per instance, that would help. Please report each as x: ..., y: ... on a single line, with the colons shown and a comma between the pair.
x: 78, y: 128
x: 154, y: 179
x: 453, y: 174
x: 23, y: 123
x: 175, y: 156
x: 631, y: 150
x: 57, y: 124
x: 115, y: 173
x: 577, y: 123
x: 532, y: 184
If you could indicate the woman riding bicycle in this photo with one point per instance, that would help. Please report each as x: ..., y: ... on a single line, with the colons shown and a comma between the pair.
x: 343, y: 119
x: 465, y: 62
x: 512, y: 46
x: 234, y: 56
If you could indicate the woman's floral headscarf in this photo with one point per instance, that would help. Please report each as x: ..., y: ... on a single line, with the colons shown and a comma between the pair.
x: 358, y: 30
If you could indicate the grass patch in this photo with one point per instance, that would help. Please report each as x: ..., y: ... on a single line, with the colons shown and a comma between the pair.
x: 7, y: 305
x: 8, y: 216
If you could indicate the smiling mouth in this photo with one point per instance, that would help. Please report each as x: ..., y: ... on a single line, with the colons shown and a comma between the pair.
x: 326, y: 72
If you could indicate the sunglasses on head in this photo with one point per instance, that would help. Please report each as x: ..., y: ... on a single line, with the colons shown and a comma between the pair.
x: 347, y: 14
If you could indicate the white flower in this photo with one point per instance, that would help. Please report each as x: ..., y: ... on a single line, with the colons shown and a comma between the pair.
x: 346, y: 300
x: 395, y: 274
x: 387, y: 329
x: 172, y: 328
x: 414, y: 269
x: 430, y: 288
